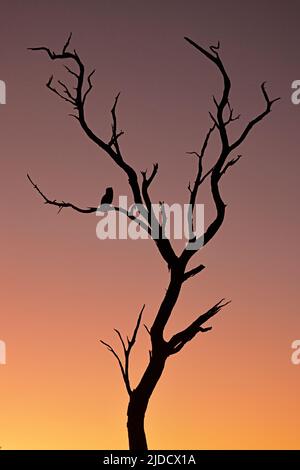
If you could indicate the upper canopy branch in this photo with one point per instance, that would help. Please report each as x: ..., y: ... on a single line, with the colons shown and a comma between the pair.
x: 220, y: 122
x: 223, y: 116
x: 82, y: 89
x: 146, y: 183
x: 115, y: 134
x: 149, y: 214
x: 257, y: 119
x: 199, y: 177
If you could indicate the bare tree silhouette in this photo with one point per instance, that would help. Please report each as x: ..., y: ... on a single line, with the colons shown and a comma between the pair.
x: 161, y: 349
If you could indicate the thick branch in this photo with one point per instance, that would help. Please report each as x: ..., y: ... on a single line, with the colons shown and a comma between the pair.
x: 166, y: 307
x: 177, y: 341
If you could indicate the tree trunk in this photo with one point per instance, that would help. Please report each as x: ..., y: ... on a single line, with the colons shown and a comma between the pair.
x: 140, y: 396
x: 139, y: 400
x: 135, y: 424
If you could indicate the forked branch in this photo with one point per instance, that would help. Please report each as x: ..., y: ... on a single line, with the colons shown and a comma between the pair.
x: 124, y: 366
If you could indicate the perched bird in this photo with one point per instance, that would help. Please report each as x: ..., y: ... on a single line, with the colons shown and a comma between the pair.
x: 107, y: 199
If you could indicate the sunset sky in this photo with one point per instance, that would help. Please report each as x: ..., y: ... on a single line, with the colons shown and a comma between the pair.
x: 63, y: 289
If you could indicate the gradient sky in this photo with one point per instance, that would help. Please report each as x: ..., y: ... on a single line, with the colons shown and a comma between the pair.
x: 63, y: 289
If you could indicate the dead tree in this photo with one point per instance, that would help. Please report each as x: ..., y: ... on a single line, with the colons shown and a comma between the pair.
x: 179, y: 272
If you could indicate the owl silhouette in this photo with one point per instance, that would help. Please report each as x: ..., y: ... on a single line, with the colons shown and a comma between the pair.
x: 107, y: 198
